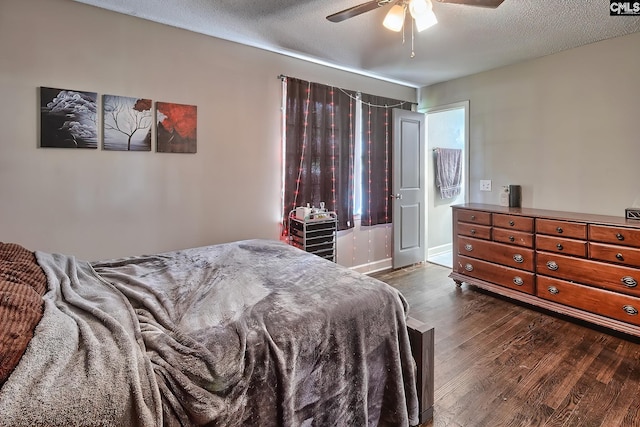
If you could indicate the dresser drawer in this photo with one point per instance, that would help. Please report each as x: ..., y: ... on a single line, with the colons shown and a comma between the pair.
x: 474, y: 217
x: 602, y: 275
x: 500, y: 253
x: 572, y: 230
x: 514, y: 222
x: 519, y: 238
x: 498, y: 274
x: 474, y: 230
x: 606, y: 303
x: 615, y: 253
x: 616, y: 235
x: 561, y: 245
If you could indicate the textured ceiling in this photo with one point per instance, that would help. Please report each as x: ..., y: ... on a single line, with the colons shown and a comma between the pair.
x: 466, y: 40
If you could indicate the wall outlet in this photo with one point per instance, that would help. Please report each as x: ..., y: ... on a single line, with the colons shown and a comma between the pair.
x: 485, y: 185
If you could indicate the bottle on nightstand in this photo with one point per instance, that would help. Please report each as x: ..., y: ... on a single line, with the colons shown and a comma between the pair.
x: 515, y: 196
x: 504, y: 196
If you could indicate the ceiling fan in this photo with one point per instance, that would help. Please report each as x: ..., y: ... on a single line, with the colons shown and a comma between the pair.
x: 420, y: 10
x: 401, y: 5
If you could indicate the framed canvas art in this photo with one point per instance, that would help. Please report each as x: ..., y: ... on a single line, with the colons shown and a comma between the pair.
x: 68, y: 118
x: 127, y: 123
x: 176, y: 126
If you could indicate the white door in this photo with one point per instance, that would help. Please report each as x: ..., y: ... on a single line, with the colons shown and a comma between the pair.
x: 408, y: 188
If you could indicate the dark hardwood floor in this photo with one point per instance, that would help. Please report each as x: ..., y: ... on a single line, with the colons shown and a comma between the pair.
x: 498, y: 363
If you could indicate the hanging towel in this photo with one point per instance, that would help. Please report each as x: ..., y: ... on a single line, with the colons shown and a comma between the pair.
x: 448, y: 171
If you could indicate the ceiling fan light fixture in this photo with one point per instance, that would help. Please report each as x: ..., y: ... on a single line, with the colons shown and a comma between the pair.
x: 425, y: 20
x: 394, y: 20
x: 419, y: 7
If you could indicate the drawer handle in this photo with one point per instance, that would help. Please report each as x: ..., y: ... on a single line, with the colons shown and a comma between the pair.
x: 468, y: 267
x: 473, y: 217
x: 629, y: 282
x: 473, y: 231
x: 559, y: 230
x: 551, y: 265
x: 559, y: 246
x: 468, y: 247
x: 619, y: 236
x: 630, y: 310
x: 518, y: 281
x: 511, y: 223
x: 512, y: 239
x: 518, y: 258
x: 619, y: 257
x: 553, y: 290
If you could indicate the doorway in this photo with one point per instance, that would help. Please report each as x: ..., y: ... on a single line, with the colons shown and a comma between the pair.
x: 447, y: 127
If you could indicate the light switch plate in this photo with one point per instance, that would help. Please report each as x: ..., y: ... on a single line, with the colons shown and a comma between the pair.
x: 485, y: 185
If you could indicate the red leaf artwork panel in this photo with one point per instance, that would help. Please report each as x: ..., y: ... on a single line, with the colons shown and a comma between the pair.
x: 176, y: 128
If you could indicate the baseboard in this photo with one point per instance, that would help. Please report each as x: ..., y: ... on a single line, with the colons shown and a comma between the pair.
x: 439, y: 250
x: 372, y: 267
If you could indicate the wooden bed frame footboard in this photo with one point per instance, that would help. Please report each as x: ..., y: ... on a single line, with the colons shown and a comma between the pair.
x: 421, y: 338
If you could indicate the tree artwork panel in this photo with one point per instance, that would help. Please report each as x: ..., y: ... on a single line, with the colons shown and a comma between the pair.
x: 127, y: 123
x: 176, y: 126
x: 68, y: 118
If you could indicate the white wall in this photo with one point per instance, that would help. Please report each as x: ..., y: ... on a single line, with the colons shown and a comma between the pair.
x: 101, y: 204
x: 564, y: 126
x: 445, y: 129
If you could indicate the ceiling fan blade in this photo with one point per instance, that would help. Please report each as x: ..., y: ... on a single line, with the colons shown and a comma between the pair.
x: 482, y: 3
x: 356, y: 10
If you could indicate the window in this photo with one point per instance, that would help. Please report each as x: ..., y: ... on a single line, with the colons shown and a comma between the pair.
x: 337, y: 151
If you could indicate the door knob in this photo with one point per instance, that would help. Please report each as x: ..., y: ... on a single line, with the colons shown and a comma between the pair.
x: 396, y: 196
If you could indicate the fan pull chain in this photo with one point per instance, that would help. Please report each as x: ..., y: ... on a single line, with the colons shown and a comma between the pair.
x: 413, y: 54
x: 404, y: 26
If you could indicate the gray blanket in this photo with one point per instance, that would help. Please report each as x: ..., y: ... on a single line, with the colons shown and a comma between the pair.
x: 246, y: 333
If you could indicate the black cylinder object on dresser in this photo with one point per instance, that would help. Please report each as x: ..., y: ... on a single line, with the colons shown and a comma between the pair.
x: 515, y: 196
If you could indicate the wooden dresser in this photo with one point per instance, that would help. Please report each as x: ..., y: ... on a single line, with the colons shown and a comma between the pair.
x: 580, y: 265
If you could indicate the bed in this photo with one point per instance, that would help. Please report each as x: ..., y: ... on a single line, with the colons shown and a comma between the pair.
x: 254, y: 332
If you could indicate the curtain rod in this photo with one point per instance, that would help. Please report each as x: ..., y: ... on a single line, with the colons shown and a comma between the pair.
x: 401, y: 102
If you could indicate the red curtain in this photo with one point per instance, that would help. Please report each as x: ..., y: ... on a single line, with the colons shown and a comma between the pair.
x: 377, y: 159
x: 319, y: 153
